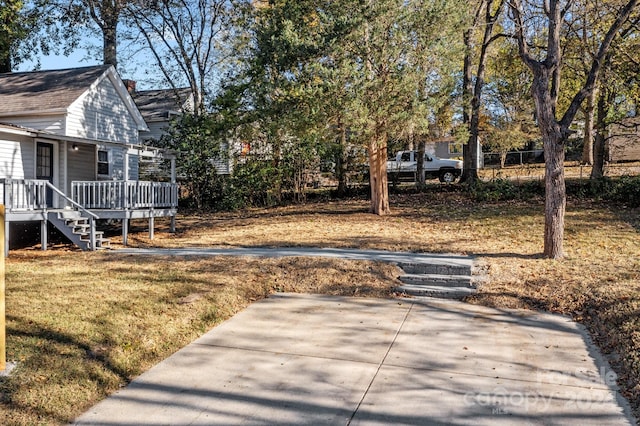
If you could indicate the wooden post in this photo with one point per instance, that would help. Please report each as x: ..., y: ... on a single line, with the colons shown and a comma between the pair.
x: 92, y: 233
x: 44, y: 233
x: 6, y: 231
x: 3, y: 326
x: 151, y: 225
x: 125, y: 230
x: 5, y: 225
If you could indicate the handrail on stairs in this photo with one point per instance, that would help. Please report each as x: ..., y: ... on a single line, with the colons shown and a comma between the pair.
x: 92, y: 216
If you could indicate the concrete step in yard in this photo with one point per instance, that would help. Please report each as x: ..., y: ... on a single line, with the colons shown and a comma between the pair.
x: 437, y: 279
x: 442, y: 292
x: 440, y: 267
x: 442, y: 279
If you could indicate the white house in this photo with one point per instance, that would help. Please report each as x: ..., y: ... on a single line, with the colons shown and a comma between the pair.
x: 70, y: 150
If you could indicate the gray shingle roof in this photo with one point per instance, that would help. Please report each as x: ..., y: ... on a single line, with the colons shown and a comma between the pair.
x: 157, y: 104
x: 34, y: 91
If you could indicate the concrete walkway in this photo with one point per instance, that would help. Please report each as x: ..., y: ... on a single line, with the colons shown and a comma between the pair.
x: 435, y: 275
x: 313, y: 360
x: 335, y: 253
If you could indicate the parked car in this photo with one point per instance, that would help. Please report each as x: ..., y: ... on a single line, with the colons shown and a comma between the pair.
x: 404, y: 165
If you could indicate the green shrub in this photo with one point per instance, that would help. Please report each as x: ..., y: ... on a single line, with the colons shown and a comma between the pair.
x: 505, y: 190
x: 254, y: 183
x: 624, y: 189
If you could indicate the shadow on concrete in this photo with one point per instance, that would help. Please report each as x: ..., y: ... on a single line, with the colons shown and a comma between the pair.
x: 301, y: 359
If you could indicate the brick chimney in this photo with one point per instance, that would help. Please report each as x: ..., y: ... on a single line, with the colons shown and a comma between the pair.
x: 130, y: 85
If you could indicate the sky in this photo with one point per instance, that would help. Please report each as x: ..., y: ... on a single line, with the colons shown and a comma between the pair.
x: 77, y: 59
x: 53, y: 62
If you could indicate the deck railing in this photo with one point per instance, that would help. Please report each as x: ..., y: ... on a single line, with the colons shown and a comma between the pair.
x: 33, y: 195
x: 123, y: 195
x: 24, y: 194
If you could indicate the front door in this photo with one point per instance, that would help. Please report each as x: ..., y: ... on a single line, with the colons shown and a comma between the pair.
x: 44, y: 166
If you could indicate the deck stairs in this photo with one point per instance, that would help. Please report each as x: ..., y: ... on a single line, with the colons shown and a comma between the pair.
x: 77, y: 229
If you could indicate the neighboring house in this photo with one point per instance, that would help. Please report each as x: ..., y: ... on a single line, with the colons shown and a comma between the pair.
x: 450, y: 148
x: 70, y: 152
x: 623, y: 143
x: 445, y: 148
x: 160, y: 107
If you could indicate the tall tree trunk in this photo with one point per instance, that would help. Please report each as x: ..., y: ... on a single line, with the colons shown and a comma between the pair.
x: 341, y: 162
x: 470, y: 172
x: 467, y: 95
x: 546, y: 84
x: 471, y: 159
x: 467, y: 79
x: 106, y: 14
x: 470, y: 154
x: 554, y: 145
x: 378, y: 176
x: 587, y: 149
x: 377, y: 145
x: 555, y: 200
x: 597, y: 171
x: 109, y: 38
x: 420, y: 163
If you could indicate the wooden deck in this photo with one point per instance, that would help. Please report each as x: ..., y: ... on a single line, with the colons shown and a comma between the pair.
x: 29, y: 200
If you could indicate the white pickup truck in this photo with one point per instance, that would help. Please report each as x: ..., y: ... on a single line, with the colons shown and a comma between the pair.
x: 405, y: 166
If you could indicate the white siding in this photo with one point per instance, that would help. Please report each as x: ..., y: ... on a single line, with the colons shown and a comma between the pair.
x: 16, y: 158
x: 116, y: 162
x: 101, y: 114
x: 61, y: 166
x: 224, y: 166
x: 116, y: 157
x: 81, y: 164
x: 134, y: 170
x: 49, y: 123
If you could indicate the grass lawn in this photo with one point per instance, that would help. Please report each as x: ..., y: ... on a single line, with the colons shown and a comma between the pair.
x: 81, y: 325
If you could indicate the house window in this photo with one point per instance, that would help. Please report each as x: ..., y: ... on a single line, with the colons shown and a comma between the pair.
x: 44, y: 161
x: 103, y: 163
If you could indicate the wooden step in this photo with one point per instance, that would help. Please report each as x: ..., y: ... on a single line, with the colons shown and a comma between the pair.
x: 69, y: 214
x: 76, y: 222
x: 80, y: 229
x: 87, y: 237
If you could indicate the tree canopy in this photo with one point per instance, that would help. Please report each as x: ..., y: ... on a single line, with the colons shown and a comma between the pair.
x: 370, y: 68
x: 301, y: 78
